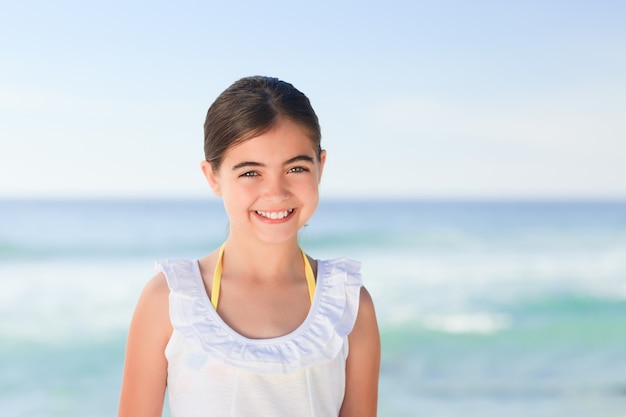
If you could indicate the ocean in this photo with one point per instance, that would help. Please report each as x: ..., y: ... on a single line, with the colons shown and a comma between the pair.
x: 486, y: 308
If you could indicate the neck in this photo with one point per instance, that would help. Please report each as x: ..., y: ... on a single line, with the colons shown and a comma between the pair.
x: 263, y: 261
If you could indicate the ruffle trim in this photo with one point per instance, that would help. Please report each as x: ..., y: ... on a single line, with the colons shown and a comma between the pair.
x: 317, y: 340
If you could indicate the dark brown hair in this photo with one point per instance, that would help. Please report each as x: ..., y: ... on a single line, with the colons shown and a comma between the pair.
x: 250, y: 107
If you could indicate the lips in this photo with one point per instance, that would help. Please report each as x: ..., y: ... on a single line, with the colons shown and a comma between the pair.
x: 274, y: 215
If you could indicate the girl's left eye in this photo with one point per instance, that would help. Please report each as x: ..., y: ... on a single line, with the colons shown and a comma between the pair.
x: 298, y: 169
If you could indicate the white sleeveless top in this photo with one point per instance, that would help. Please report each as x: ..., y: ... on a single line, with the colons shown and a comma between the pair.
x: 215, y: 371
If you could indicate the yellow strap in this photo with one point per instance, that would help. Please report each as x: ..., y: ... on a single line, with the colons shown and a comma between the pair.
x: 217, y: 278
x: 310, y: 276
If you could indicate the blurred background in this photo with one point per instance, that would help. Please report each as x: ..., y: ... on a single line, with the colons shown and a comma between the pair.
x: 475, y: 167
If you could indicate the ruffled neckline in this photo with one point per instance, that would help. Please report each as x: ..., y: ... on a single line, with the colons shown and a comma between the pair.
x: 235, y: 334
x: 318, y: 339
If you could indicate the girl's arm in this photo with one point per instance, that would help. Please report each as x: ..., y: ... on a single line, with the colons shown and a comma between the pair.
x: 145, y: 367
x: 363, y: 363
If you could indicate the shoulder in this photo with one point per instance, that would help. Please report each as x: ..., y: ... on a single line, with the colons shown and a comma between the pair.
x: 364, y: 339
x: 152, y: 311
x: 366, y: 315
x: 365, y: 299
x: 156, y: 286
x: 145, y: 366
x: 363, y: 362
x: 155, y: 293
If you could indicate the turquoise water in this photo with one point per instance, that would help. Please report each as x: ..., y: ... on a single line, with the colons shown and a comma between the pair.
x: 485, y: 308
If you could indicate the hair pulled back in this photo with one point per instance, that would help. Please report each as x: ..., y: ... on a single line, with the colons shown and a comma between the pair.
x: 250, y: 107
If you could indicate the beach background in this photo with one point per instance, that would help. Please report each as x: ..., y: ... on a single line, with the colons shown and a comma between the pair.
x: 498, y: 308
x: 475, y: 166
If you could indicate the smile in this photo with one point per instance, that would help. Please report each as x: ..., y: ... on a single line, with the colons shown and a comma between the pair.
x: 274, y: 215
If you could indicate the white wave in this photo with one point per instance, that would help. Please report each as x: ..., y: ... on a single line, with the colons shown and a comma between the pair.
x: 55, y: 302
x: 481, y: 323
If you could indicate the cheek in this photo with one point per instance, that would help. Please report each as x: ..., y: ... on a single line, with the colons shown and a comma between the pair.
x: 312, y: 193
x: 236, y: 198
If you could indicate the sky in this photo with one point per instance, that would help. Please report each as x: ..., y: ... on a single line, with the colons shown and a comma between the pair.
x: 416, y: 99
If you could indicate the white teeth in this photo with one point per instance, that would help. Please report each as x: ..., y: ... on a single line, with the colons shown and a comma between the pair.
x: 274, y: 215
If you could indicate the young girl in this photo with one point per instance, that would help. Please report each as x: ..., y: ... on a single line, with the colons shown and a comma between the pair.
x: 256, y: 327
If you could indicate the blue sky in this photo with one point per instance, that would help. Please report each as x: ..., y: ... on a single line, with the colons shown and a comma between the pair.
x: 447, y: 99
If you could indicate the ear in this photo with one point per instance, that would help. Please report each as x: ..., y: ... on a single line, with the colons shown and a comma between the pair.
x: 322, y: 162
x: 211, y: 177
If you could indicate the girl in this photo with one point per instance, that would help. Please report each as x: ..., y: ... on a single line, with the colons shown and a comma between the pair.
x: 256, y: 328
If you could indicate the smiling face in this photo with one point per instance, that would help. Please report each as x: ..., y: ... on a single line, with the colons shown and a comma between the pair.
x: 269, y: 183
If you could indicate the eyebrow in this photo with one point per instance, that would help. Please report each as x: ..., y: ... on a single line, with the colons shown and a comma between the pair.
x: 245, y: 164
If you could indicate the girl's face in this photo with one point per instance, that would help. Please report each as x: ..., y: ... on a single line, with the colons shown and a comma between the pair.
x: 269, y: 183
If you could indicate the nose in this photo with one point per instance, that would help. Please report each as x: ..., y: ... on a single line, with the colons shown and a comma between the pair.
x: 275, y: 189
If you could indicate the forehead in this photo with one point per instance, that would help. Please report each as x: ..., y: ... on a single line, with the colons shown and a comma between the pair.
x: 285, y: 140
